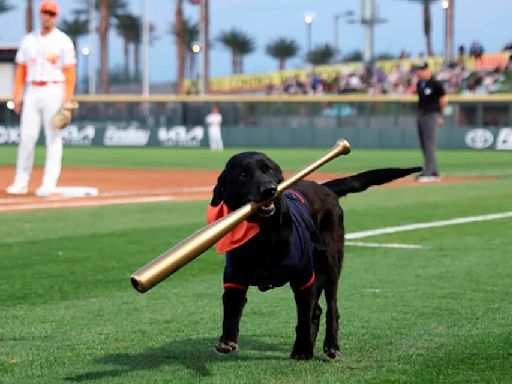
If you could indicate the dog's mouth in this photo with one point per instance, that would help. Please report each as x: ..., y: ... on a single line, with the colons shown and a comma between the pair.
x: 266, y: 210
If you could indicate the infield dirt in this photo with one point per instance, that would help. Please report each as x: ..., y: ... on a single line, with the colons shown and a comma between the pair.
x: 130, y: 186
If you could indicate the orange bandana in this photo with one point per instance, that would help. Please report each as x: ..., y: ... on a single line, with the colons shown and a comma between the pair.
x: 240, y: 234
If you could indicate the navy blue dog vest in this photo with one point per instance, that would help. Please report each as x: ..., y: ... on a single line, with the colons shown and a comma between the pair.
x: 296, y: 267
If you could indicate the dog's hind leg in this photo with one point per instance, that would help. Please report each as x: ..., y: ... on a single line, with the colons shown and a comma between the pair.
x: 315, y: 321
x: 303, y: 346
x: 331, y: 344
x: 317, y: 309
x: 234, y: 301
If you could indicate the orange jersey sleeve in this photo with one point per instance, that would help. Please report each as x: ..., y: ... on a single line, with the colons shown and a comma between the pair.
x: 19, y: 80
x: 70, y: 80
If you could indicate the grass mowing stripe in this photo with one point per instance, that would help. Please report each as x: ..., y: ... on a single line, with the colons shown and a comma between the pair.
x: 436, y: 314
x: 290, y: 159
x: 166, y: 336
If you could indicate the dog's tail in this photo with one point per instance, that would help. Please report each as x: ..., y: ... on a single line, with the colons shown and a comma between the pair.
x: 364, y: 180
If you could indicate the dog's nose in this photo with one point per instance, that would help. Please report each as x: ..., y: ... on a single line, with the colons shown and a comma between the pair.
x: 268, y: 191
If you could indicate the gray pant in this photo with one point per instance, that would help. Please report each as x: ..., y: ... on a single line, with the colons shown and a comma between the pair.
x: 427, y: 132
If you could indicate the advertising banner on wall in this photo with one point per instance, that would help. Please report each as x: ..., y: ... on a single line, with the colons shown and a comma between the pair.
x: 134, y: 135
x: 481, y: 138
x: 118, y: 135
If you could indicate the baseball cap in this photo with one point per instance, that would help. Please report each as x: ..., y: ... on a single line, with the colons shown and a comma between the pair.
x: 422, y: 65
x: 49, y: 6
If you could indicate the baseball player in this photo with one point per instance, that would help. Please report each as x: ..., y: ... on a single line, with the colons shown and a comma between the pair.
x: 213, y: 121
x: 45, y: 80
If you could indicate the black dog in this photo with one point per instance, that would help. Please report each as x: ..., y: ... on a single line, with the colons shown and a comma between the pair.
x: 297, y: 238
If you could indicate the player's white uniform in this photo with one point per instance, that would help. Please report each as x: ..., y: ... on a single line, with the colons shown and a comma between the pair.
x: 214, y: 121
x: 44, y: 57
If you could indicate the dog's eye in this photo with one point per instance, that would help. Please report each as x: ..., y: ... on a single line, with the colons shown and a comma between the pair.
x: 266, y: 169
x: 243, y: 175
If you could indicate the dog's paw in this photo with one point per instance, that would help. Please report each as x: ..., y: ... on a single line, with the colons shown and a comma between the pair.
x: 301, y: 353
x: 224, y: 347
x: 332, y: 353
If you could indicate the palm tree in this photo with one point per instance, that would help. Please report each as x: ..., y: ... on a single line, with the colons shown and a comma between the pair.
x: 128, y: 27
x: 135, y: 38
x: 427, y: 24
x: 5, y: 6
x: 29, y: 16
x: 181, y: 45
x: 282, y: 49
x: 191, y: 36
x: 108, y: 9
x: 321, y: 55
x: 75, y: 28
x: 239, y: 44
x: 353, y: 56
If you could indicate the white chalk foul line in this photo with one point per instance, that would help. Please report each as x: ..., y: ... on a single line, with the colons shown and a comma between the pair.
x: 86, y: 203
x: 383, y: 245
x: 432, y: 224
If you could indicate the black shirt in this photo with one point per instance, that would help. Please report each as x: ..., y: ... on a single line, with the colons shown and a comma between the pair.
x: 429, y: 93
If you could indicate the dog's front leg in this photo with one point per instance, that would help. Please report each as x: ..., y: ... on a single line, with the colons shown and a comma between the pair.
x: 303, y: 347
x: 234, y: 301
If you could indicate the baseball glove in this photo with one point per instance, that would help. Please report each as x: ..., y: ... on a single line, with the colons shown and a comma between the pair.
x: 63, y: 116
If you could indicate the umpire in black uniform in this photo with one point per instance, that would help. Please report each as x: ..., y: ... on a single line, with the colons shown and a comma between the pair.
x: 431, y: 103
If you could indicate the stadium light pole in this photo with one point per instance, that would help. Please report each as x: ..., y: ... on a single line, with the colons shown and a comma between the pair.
x: 204, y: 80
x: 145, y: 48
x: 448, y: 6
x: 308, y: 19
x: 92, y: 54
x: 86, y: 52
x: 369, y: 20
x: 337, y: 17
x: 197, y: 75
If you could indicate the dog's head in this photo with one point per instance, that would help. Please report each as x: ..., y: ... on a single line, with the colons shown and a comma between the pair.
x: 248, y: 177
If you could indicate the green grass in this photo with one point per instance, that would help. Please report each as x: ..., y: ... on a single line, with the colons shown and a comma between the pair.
x: 440, y: 314
x: 454, y: 162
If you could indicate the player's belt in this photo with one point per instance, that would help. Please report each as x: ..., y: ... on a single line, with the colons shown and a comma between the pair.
x: 43, y: 83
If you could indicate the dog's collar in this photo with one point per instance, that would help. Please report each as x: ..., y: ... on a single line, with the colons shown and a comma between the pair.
x: 237, y: 236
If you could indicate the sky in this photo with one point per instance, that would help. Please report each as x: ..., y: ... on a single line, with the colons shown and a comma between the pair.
x: 485, y: 20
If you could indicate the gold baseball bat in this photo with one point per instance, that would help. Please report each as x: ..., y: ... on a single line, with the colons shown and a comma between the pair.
x: 187, y: 250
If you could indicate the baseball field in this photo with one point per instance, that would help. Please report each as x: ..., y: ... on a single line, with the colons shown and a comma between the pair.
x: 424, y: 297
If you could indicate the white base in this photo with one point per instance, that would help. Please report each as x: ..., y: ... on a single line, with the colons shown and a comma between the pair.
x: 69, y: 192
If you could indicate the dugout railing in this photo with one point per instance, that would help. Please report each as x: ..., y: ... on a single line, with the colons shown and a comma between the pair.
x: 311, y: 120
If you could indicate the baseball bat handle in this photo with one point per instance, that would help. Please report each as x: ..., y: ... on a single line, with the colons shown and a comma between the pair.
x: 188, y: 249
x: 342, y: 147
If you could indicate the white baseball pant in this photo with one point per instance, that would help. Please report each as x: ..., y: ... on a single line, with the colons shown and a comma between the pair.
x: 40, y: 103
x: 215, y: 138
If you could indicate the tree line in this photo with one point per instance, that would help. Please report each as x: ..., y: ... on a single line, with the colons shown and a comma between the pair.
x: 128, y: 26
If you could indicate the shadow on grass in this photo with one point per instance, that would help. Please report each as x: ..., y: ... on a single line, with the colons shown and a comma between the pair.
x: 194, y: 354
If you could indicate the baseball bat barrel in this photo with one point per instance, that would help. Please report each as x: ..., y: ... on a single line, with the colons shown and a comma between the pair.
x: 187, y: 250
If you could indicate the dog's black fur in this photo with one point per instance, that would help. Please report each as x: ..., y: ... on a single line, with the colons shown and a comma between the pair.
x: 253, y: 177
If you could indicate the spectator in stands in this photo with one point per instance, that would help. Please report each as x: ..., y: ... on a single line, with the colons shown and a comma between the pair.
x: 402, y: 80
x: 476, y: 50
x: 294, y: 86
x: 317, y: 86
x: 461, y: 55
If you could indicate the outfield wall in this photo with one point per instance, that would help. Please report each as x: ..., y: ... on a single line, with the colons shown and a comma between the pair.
x: 256, y: 121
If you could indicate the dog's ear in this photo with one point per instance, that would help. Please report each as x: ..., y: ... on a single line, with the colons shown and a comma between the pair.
x: 277, y: 170
x: 218, y: 191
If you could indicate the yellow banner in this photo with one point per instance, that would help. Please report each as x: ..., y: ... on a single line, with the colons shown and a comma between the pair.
x: 263, y: 81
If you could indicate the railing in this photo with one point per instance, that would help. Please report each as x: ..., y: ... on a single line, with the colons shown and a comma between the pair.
x: 284, y: 120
